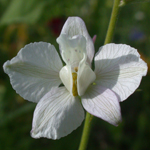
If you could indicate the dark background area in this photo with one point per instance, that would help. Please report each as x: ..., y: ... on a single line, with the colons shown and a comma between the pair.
x: 26, y: 21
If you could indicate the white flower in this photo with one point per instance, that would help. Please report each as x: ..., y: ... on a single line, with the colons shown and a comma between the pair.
x: 37, y: 71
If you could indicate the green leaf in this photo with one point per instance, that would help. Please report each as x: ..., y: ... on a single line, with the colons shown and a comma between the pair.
x: 23, y: 11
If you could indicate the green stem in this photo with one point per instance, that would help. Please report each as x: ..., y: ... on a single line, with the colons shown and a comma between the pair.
x: 109, y: 35
x: 86, y: 132
x: 112, y: 22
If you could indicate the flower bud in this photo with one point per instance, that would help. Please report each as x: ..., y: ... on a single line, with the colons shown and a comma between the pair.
x: 124, y: 2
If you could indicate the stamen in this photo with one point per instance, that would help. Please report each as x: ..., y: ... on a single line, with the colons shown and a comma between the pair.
x: 94, y: 83
x: 76, y: 69
x: 74, y: 87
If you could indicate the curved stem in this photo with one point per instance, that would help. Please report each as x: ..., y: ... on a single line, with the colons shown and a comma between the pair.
x: 112, y: 22
x: 86, y: 132
x: 109, y: 35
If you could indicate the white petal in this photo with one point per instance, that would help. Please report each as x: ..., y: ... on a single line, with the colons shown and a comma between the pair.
x: 57, y: 114
x: 102, y: 103
x: 76, y: 26
x: 85, y: 77
x: 72, y: 49
x: 119, y: 67
x: 66, y: 77
x: 34, y: 71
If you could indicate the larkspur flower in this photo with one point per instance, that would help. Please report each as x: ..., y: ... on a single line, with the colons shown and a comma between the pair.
x: 37, y: 71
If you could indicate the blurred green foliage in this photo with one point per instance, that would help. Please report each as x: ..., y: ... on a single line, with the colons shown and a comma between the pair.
x: 22, y: 22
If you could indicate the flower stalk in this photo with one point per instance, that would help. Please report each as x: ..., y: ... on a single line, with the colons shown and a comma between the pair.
x: 86, y: 131
x: 108, y: 39
x: 112, y: 22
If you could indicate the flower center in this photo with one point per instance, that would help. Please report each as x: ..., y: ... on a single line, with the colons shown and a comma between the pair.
x: 74, y: 86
